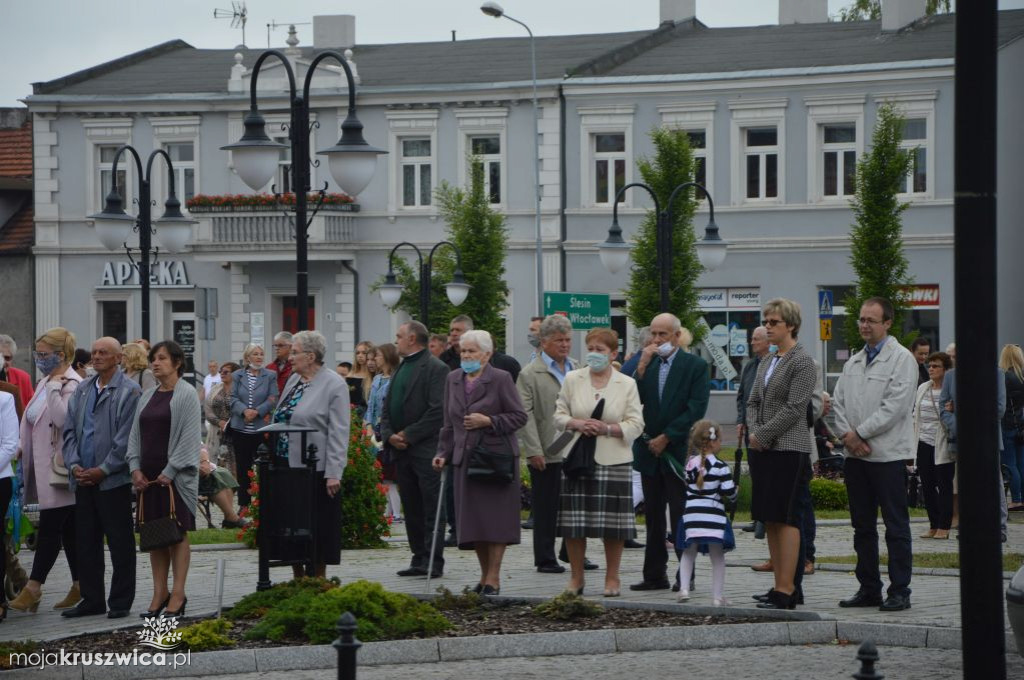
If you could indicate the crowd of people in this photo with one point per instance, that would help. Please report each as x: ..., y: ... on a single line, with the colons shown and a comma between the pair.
x: 452, y: 416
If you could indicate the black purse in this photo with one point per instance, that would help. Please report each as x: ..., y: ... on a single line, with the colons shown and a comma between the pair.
x: 493, y: 466
x: 580, y: 461
x: 161, y: 532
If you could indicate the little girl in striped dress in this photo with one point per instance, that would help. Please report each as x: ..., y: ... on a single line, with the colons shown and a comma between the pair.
x: 704, y: 525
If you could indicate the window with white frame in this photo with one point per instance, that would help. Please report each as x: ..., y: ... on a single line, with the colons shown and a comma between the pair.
x: 282, y: 182
x: 608, y: 149
x: 761, y: 162
x: 416, y: 172
x: 838, y: 159
x: 918, y: 110
x: 486, y: 150
x: 915, y: 141
x: 179, y: 137
x: 697, y: 118
x: 835, y: 141
x: 606, y: 142
x: 183, y: 159
x: 699, y: 148
x: 105, y: 172
x: 112, y: 319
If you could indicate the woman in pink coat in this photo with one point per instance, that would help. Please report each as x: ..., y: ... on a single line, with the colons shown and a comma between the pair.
x: 41, y: 457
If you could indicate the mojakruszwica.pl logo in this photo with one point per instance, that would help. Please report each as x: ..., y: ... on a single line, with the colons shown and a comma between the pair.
x: 159, y: 633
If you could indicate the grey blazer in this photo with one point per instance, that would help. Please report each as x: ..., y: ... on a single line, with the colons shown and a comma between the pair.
x: 777, y: 412
x: 325, y: 406
x: 264, y: 396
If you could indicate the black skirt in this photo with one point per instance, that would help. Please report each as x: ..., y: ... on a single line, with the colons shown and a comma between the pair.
x: 328, y: 523
x: 778, y: 479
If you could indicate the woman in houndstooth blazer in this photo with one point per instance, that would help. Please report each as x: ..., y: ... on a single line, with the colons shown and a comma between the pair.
x: 779, y: 446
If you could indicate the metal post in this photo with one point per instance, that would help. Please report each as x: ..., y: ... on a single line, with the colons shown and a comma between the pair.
x: 145, y: 223
x: 263, y: 463
x: 347, y: 645
x: 299, y: 136
x: 867, y: 654
x: 536, y: 176
x: 425, y: 292
x: 974, y: 258
x: 663, y: 244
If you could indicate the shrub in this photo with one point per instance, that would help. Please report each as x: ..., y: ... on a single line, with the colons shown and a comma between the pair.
x: 255, y: 605
x: 448, y: 601
x: 208, y: 634
x: 285, y: 620
x: 828, y: 494
x: 566, y: 607
x: 379, y: 614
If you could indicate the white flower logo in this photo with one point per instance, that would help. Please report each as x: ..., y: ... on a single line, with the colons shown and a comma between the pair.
x: 159, y: 632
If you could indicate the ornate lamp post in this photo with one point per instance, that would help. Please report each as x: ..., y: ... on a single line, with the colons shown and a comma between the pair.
x: 352, y: 160
x: 457, y: 289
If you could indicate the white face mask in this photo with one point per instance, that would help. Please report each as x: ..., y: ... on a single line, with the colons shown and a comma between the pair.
x: 2, y: 360
x: 665, y: 349
x: 773, y: 348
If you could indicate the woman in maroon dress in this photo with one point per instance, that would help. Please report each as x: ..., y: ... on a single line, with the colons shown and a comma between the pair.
x: 163, y: 455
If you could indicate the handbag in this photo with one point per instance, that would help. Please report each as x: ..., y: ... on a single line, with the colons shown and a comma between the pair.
x: 490, y: 465
x: 580, y: 461
x: 160, y: 532
x: 59, y: 473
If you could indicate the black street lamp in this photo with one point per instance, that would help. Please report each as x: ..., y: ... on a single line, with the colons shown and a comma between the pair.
x: 256, y: 157
x: 710, y: 250
x: 113, y: 224
x: 457, y: 289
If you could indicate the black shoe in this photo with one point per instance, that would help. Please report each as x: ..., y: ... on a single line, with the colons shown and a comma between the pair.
x: 528, y: 524
x: 117, y: 613
x: 777, y: 600
x: 551, y: 569
x: 633, y: 543
x: 477, y: 588
x: 153, y: 613
x: 895, y: 603
x: 490, y: 590
x: 180, y: 612
x: 862, y: 599
x: 412, y: 571
x: 651, y: 585
x: 78, y: 611
x: 589, y: 566
x: 763, y: 597
x: 437, y: 573
x: 451, y: 541
x: 748, y: 527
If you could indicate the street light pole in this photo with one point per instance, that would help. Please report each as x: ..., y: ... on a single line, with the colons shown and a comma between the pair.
x: 495, y: 10
x: 352, y: 159
x: 457, y: 289
x: 710, y: 250
x: 112, y: 225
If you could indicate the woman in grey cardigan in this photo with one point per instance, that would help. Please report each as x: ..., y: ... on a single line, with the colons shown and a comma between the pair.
x: 780, y: 449
x: 253, y: 395
x: 163, y: 456
x: 317, y: 397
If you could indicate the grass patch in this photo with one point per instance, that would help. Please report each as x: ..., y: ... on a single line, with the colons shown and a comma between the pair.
x: 208, y: 536
x: 950, y: 560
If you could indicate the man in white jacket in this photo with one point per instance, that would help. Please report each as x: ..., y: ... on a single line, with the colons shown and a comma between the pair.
x: 874, y: 401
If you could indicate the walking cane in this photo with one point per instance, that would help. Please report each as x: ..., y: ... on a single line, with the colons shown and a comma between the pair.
x: 736, y: 479
x: 437, y: 520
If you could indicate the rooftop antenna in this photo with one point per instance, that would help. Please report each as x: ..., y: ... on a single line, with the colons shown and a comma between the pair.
x: 238, y: 14
x: 278, y: 24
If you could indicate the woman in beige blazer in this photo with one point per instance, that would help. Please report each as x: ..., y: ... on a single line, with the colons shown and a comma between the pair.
x: 599, y: 506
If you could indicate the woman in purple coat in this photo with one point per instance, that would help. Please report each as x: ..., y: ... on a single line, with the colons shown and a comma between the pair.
x: 482, y: 406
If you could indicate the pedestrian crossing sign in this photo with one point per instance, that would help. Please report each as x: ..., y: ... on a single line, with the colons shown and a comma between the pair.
x: 824, y: 304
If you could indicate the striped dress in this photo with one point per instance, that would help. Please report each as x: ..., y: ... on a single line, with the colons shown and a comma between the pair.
x: 704, y: 519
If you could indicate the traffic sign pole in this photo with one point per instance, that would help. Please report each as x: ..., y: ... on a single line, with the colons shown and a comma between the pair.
x: 826, y: 303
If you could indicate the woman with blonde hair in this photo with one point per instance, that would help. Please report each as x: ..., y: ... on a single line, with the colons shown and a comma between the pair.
x: 1011, y: 360
x: 135, y: 364
x: 361, y: 367
x: 42, y: 468
x: 253, y: 395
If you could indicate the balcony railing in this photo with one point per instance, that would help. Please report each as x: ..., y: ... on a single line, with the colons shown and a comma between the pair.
x: 255, y: 228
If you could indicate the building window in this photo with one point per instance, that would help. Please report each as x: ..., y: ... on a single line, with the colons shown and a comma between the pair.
x: 282, y: 182
x: 731, y: 315
x: 183, y: 159
x: 699, y: 147
x: 416, y: 164
x: 113, y: 321
x: 105, y: 170
x: 915, y: 141
x: 839, y: 159
x: 609, y: 154
x: 487, y: 152
x: 761, y: 159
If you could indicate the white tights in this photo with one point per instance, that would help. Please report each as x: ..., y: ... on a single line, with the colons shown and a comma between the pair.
x: 394, y: 508
x: 717, y: 555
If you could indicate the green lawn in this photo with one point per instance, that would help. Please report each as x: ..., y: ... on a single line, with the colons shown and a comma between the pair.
x: 208, y: 536
x: 1011, y: 561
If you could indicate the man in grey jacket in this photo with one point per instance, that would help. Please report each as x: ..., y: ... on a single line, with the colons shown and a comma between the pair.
x: 874, y: 403
x: 96, y: 429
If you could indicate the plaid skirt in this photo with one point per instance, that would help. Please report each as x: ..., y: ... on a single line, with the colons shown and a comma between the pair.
x: 600, y: 506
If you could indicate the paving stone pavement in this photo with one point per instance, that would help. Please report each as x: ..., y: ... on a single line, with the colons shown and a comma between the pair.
x: 935, y: 598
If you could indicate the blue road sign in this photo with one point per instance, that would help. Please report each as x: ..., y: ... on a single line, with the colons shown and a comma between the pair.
x: 825, y: 304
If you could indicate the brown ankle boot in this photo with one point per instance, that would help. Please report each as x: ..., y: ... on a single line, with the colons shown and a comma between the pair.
x: 71, y: 599
x: 26, y: 601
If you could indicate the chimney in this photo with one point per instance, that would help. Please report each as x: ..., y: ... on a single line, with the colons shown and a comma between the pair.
x: 334, y: 31
x: 674, y: 11
x: 897, y: 14
x: 803, y: 12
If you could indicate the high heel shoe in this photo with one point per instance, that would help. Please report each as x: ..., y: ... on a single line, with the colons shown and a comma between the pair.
x: 153, y: 613
x: 577, y: 591
x: 26, y: 601
x: 73, y: 597
x: 180, y: 612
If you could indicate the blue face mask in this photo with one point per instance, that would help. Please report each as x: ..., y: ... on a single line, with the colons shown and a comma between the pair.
x: 471, y: 366
x: 46, y: 366
x: 773, y: 348
x: 597, y: 361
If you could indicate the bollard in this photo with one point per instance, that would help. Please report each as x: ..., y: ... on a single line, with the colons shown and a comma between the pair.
x: 867, y: 654
x: 347, y: 646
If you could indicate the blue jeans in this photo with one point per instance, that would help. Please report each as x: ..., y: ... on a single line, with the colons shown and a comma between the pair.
x: 1012, y: 456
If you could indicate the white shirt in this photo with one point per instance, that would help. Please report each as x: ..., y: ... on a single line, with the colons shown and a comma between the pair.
x: 9, y: 433
x: 209, y: 381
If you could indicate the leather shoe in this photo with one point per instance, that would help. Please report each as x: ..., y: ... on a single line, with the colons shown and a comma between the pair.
x: 764, y: 566
x: 862, y: 598
x: 589, y: 566
x: 412, y: 571
x: 778, y: 600
x: 633, y: 543
x: 749, y: 528
x: 433, y: 574
x: 528, y: 524
x: 895, y: 603
x: 117, y: 613
x: 76, y: 612
x: 551, y: 569
x: 651, y: 585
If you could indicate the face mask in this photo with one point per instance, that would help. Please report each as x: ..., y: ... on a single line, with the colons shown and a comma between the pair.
x: 773, y: 348
x: 534, y: 340
x: 665, y: 349
x: 2, y: 360
x: 597, y: 361
x: 89, y: 371
x: 471, y: 366
x: 46, y: 366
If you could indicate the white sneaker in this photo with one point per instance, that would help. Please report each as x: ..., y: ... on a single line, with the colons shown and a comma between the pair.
x: 721, y: 603
x: 683, y: 596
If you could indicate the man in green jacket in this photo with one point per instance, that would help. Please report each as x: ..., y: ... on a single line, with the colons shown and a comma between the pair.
x: 674, y: 390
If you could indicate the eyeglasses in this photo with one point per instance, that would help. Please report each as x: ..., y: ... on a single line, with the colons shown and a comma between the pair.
x: 770, y: 323
x: 280, y: 345
x: 42, y: 355
x: 868, y: 322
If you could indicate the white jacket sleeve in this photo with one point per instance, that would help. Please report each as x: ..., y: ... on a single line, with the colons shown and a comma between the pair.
x: 8, y: 429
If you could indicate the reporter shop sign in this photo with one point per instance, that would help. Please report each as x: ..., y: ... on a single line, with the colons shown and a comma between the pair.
x: 163, y: 274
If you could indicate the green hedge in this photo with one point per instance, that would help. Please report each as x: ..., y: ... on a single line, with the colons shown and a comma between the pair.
x: 828, y: 494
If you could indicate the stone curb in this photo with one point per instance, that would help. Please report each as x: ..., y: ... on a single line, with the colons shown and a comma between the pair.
x: 848, y: 568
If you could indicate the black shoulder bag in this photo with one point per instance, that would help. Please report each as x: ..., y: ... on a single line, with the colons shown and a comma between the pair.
x: 492, y: 465
x: 580, y: 461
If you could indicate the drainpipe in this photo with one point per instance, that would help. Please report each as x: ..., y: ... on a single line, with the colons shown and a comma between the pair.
x: 355, y: 299
x: 561, y: 182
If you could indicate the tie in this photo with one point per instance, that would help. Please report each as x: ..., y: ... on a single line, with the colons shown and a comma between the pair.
x: 662, y: 376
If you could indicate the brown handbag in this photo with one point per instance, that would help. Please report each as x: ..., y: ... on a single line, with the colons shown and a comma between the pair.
x: 160, y: 532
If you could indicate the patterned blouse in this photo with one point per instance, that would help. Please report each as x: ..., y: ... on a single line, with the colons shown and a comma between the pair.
x: 218, y: 405
x: 250, y: 380
x: 285, y: 411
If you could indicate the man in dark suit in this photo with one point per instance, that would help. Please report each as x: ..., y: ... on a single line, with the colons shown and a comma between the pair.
x: 675, y: 390
x: 410, y: 423
x: 759, y: 346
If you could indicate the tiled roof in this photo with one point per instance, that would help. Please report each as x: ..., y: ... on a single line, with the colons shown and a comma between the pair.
x: 18, y: 235
x: 16, y: 151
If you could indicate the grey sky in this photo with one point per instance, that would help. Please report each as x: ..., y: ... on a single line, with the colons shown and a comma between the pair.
x: 46, y: 39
